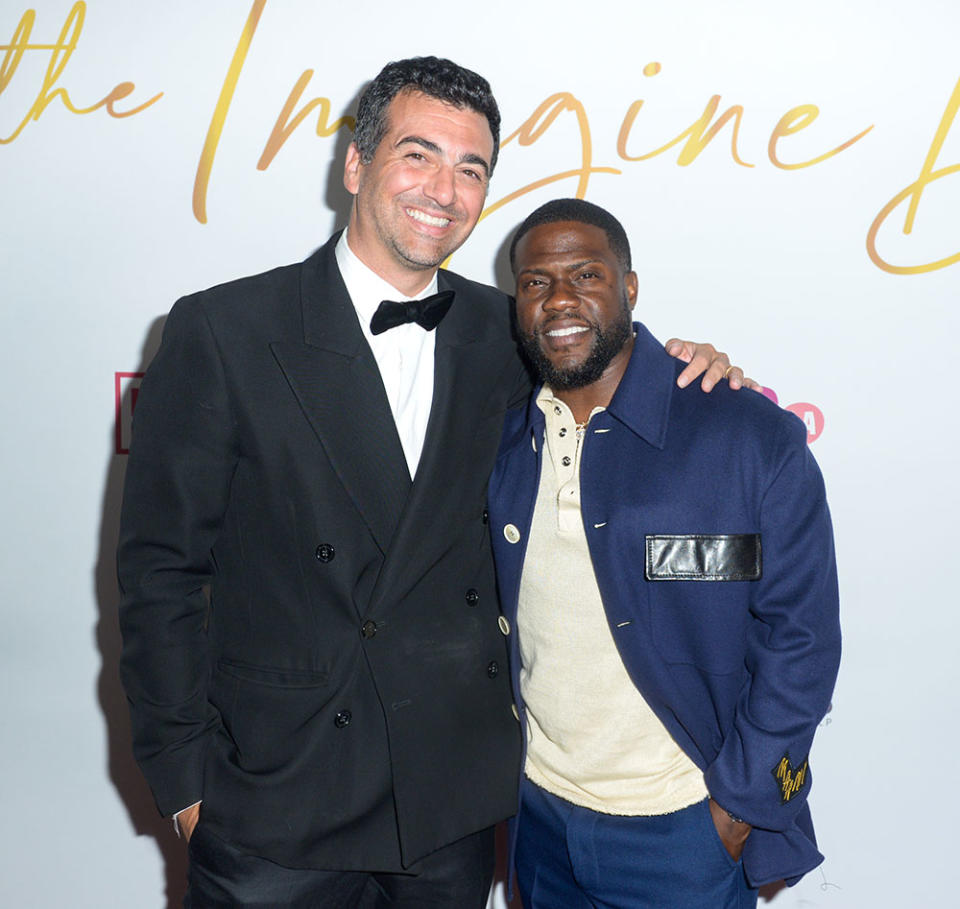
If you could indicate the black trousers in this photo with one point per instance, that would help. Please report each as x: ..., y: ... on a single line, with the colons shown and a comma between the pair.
x: 455, y: 877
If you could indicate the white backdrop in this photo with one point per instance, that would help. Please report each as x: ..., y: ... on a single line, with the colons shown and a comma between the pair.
x: 102, y: 226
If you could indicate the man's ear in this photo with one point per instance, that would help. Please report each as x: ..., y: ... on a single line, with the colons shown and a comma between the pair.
x: 630, y: 282
x: 351, y: 169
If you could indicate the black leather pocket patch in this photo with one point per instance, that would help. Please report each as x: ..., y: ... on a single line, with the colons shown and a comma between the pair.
x: 703, y: 557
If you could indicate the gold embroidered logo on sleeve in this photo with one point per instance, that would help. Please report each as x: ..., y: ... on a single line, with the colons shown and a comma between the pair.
x: 791, y: 779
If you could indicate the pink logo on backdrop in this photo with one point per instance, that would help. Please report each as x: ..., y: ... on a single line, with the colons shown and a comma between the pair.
x: 126, y: 387
x: 811, y: 415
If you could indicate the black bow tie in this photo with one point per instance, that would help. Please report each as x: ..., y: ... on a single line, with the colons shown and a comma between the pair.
x: 427, y: 312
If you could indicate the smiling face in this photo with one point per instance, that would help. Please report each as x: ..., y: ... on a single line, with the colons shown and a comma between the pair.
x: 574, y: 303
x: 420, y: 196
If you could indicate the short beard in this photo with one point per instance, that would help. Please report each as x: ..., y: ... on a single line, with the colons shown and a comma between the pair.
x: 422, y: 262
x: 606, y: 345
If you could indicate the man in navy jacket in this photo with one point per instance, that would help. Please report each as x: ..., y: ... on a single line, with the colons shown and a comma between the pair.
x: 668, y: 582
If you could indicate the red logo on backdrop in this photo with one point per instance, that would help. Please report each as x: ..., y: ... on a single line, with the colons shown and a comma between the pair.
x: 811, y: 415
x: 126, y: 386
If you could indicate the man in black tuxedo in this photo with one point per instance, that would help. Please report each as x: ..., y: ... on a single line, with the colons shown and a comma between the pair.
x: 313, y: 651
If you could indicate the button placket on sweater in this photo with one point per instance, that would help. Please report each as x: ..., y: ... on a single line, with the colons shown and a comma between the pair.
x: 565, y: 447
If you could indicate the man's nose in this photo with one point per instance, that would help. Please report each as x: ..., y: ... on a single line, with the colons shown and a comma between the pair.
x: 561, y: 296
x: 441, y: 186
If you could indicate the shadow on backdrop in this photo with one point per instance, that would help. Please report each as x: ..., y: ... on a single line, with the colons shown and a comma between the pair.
x: 122, y: 769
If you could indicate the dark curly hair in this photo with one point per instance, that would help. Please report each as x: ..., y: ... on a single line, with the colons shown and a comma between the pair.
x: 433, y: 76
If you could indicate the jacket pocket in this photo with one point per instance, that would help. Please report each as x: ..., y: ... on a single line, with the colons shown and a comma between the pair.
x: 274, y: 677
x: 703, y: 557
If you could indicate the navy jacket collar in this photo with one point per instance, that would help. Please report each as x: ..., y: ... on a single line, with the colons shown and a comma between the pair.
x: 642, y: 401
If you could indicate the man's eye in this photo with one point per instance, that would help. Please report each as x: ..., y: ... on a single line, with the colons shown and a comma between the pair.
x: 416, y: 156
x: 472, y: 174
x: 588, y: 275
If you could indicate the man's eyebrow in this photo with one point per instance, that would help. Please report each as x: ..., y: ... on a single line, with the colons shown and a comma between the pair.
x: 577, y: 265
x: 477, y: 160
x: 534, y: 270
x: 419, y: 140
x: 468, y: 158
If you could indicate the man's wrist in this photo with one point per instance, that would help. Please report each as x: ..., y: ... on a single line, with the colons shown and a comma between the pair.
x: 733, y: 817
x: 176, y: 816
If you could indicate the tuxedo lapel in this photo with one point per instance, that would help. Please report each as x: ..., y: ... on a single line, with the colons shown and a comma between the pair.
x: 335, y: 379
x: 465, y: 369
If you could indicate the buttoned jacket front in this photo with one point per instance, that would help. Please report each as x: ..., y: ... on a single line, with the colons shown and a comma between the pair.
x: 740, y: 671
x: 333, y: 703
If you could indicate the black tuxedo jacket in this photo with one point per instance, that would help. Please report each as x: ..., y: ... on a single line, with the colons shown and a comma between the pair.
x: 310, y: 639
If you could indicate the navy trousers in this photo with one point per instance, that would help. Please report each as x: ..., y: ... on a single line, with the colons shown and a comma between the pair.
x: 571, y: 857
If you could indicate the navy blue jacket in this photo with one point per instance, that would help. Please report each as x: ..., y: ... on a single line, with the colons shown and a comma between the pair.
x: 711, y: 542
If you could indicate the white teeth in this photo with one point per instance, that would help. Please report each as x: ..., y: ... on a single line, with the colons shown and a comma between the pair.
x: 424, y: 218
x: 563, y: 332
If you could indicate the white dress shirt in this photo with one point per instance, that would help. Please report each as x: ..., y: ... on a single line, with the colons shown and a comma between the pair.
x: 404, y: 354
